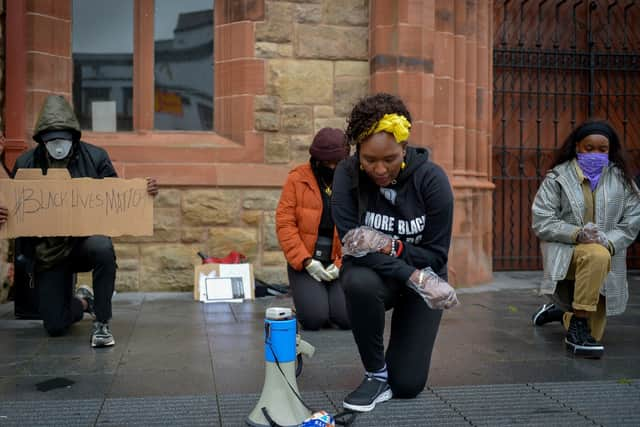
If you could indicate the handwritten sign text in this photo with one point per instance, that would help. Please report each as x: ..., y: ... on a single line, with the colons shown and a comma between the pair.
x: 76, y: 207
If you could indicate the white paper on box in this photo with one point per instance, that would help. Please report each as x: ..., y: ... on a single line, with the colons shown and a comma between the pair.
x: 241, y: 276
x: 202, y: 285
x: 242, y: 271
x: 223, y: 289
x: 219, y: 288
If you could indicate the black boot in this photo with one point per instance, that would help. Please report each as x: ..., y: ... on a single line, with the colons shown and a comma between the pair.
x: 545, y: 314
x: 579, y: 340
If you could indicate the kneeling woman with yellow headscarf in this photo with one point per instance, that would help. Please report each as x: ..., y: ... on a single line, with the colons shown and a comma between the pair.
x: 393, y: 209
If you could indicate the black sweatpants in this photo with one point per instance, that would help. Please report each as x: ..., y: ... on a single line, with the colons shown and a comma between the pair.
x: 58, y: 307
x: 414, y: 327
x: 317, y: 303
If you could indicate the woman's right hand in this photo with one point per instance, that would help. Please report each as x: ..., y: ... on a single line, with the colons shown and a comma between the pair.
x: 363, y: 240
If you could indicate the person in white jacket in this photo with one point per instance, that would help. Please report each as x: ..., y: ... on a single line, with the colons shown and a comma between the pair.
x: 586, y: 213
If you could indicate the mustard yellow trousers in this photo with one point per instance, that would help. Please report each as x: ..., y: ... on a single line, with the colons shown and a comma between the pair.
x: 589, y: 267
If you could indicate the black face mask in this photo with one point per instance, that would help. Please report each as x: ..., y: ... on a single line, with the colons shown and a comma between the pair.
x: 326, y: 174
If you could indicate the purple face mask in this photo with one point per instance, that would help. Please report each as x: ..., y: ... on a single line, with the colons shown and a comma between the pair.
x: 592, y: 165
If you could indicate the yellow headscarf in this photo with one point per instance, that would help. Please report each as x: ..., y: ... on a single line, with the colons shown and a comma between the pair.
x: 395, y: 124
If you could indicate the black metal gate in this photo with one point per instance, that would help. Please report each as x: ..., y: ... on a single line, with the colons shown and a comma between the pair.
x: 555, y: 64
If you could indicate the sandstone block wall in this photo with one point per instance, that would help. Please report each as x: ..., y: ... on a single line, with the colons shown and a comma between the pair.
x: 316, y: 55
x: 213, y: 221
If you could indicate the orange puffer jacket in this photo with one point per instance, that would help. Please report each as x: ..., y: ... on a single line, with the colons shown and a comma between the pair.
x: 298, y: 217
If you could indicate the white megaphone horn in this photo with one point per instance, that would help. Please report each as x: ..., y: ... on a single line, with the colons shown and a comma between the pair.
x: 280, y: 401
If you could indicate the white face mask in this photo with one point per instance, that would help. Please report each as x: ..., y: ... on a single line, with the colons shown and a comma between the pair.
x: 58, y: 148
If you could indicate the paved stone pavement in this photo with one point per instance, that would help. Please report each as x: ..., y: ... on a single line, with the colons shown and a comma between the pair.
x: 179, y: 362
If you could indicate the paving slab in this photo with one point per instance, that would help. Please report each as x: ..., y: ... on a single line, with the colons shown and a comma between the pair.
x: 160, y: 411
x: 507, y: 405
x: 604, y: 402
x: 50, y: 413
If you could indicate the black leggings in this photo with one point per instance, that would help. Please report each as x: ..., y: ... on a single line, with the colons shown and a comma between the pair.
x: 317, y: 303
x: 58, y: 307
x: 414, y: 327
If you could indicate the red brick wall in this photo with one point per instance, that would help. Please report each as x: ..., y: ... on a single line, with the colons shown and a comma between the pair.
x: 49, y: 65
x: 436, y: 55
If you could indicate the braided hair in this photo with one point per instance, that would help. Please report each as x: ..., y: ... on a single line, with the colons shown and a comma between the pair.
x: 370, y: 110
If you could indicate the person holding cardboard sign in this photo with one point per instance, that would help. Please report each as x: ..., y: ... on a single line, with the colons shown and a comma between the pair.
x: 51, y: 262
x: 308, y: 236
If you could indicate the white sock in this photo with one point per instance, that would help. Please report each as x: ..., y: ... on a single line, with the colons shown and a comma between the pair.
x: 381, y: 375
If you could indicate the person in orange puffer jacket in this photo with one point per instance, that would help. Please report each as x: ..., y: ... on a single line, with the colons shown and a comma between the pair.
x: 308, y: 236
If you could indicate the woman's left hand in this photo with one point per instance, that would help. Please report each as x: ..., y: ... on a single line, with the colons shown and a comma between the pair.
x: 437, y: 293
x: 152, y: 187
x: 333, y: 271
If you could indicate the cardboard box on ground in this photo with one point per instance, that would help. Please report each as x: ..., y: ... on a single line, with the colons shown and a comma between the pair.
x: 223, y: 282
x: 58, y: 205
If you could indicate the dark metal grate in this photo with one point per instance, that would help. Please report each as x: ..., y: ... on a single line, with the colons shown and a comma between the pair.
x: 556, y: 63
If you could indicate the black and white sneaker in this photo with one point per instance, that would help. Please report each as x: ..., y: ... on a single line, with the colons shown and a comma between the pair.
x: 579, y: 340
x: 84, y: 292
x: 545, y: 314
x: 368, y: 393
x: 101, y: 335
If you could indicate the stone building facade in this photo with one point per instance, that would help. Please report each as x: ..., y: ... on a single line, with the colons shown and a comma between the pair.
x: 3, y: 243
x: 283, y: 70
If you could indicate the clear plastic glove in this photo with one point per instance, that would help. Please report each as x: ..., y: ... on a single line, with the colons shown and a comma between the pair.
x: 437, y: 293
x: 363, y: 240
x: 317, y: 271
x: 590, y: 234
x: 333, y: 271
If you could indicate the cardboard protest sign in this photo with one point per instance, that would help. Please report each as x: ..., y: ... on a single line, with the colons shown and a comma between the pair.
x: 56, y: 205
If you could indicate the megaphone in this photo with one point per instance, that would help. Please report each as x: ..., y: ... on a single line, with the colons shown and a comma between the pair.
x: 280, y: 396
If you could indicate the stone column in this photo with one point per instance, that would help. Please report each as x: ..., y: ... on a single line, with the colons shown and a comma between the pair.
x: 436, y: 55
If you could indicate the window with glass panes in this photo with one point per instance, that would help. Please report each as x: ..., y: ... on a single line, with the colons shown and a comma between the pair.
x: 143, y: 64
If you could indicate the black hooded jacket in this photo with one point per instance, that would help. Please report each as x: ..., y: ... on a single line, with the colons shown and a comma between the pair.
x: 417, y: 209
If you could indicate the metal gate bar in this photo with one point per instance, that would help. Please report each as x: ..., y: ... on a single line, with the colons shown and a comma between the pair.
x: 556, y: 63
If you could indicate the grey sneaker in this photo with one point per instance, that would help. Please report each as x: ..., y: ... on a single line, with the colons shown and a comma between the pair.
x: 370, y: 392
x: 101, y: 335
x: 84, y: 292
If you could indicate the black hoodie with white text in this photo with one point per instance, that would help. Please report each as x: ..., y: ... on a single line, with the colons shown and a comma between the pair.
x: 416, y: 209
